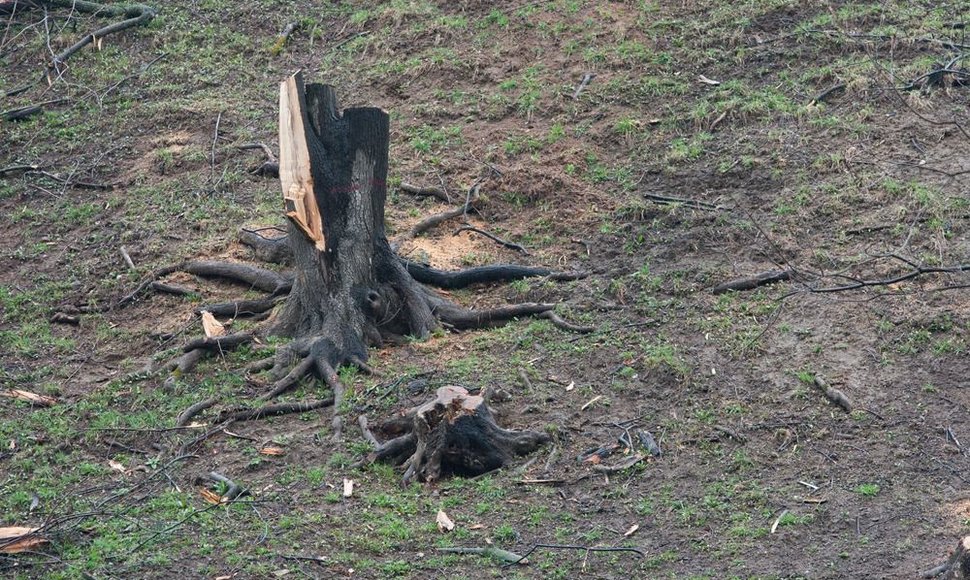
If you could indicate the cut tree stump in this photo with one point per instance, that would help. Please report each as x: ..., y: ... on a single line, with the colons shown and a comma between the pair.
x: 348, y: 290
x: 455, y: 433
x: 958, y: 566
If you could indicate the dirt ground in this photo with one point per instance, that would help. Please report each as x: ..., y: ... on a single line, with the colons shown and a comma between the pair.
x: 710, y: 141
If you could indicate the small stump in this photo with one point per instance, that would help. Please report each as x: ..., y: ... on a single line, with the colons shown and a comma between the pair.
x: 453, y: 433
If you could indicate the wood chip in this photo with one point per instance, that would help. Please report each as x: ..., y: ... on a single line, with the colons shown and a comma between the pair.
x: 12, y: 532
x: 571, y: 385
x: 210, y: 496
x: 633, y: 529
x: 708, y: 81
x: 16, y: 539
x: 774, y: 526
x: 590, y: 402
x: 348, y: 487
x: 211, y: 326
x: 272, y: 451
x: 116, y: 466
x: 444, y: 522
x: 32, y: 398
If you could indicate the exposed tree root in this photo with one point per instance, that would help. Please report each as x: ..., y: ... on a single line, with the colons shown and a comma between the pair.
x: 483, y: 275
x: 187, y: 415
x: 453, y: 433
x: 435, y: 192
x: 242, y: 307
x: 272, y: 411
x: 259, y: 278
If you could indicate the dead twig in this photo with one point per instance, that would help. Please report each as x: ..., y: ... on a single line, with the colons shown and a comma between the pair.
x: 491, y: 552
x: 493, y: 237
x: 752, y: 282
x: 692, y: 203
x: 827, y: 93
x: 586, y: 549
x: 583, y: 84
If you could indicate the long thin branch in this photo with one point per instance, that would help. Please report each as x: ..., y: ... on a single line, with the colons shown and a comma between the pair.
x: 916, y: 272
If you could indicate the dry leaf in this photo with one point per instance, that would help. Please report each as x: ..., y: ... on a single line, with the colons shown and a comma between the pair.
x: 444, y: 522
x: 272, y: 451
x: 33, y: 398
x: 348, y: 487
x: 19, y: 539
x: 116, y: 466
x: 633, y: 529
x: 211, y: 326
x: 476, y: 527
x: 210, y: 496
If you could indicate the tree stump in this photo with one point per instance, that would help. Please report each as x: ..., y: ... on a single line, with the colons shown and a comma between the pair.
x: 455, y: 433
x: 958, y: 566
x: 348, y: 290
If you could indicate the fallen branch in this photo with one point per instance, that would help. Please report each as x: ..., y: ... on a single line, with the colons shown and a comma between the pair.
x: 17, y: 168
x: 621, y: 466
x: 134, y: 14
x: 493, y: 237
x: 491, y: 552
x: 917, y: 271
x: 752, y: 282
x: 435, y: 192
x: 827, y: 93
x: 833, y: 394
x: 693, y: 203
x: 21, y: 113
x: 587, y: 549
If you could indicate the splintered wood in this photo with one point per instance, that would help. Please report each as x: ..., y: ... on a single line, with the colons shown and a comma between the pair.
x: 295, y: 176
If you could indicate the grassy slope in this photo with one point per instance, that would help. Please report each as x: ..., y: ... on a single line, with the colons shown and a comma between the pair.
x: 817, y: 186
